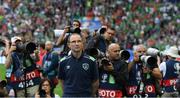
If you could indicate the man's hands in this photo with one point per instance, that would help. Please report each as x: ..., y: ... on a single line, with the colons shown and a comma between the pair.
x: 108, y: 67
x: 12, y: 48
x: 136, y: 56
x: 66, y: 29
x: 146, y: 69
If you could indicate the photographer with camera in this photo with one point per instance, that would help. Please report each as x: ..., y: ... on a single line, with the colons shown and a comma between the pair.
x: 45, y: 90
x: 113, y: 73
x: 170, y: 69
x: 102, y: 41
x: 63, y: 39
x: 23, y: 75
x: 143, y: 73
x: 50, y: 64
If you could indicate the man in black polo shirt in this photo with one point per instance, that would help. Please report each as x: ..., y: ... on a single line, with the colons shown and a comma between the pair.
x: 78, y: 72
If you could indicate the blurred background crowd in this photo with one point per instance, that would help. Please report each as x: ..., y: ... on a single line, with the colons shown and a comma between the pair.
x: 154, y: 21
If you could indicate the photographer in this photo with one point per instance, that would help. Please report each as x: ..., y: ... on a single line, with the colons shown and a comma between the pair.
x: 170, y: 69
x: 142, y: 76
x: 102, y: 41
x: 113, y: 73
x: 63, y: 39
x: 45, y: 90
x: 50, y: 64
x: 24, y: 77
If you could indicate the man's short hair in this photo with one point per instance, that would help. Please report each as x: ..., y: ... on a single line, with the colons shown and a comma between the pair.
x: 74, y: 34
x: 77, y: 22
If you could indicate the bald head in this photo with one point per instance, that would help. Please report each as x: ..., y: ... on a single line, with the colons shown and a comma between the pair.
x: 113, y: 45
x: 113, y: 51
x: 48, y: 42
x: 48, y: 45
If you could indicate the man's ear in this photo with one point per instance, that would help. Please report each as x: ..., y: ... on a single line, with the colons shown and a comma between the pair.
x: 68, y: 44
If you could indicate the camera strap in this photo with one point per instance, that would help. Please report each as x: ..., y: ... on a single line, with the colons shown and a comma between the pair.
x: 48, y: 56
x: 140, y: 87
x: 65, y: 48
x: 18, y: 63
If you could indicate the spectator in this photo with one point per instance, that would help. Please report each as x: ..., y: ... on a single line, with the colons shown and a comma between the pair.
x: 141, y: 20
x: 78, y: 72
x: 45, y: 90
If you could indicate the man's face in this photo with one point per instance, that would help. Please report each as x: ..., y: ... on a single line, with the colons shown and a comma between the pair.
x: 76, y: 25
x: 48, y: 46
x: 114, y: 52
x: 19, y: 45
x: 109, y: 34
x: 141, y: 50
x: 75, y: 43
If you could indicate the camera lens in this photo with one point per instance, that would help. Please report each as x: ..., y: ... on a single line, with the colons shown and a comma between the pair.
x: 105, y: 62
x: 42, y: 93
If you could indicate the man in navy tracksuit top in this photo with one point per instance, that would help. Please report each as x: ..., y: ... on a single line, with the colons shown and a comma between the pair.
x: 78, y: 72
x: 170, y: 70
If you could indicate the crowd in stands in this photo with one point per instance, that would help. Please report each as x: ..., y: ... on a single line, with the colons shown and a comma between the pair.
x: 139, y: 21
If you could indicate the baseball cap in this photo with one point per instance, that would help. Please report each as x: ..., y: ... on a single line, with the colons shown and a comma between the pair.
x: 15, y: 38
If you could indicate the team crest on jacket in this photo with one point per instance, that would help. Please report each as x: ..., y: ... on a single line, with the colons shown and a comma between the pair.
x: 85, y: 66
x: 177, y: 67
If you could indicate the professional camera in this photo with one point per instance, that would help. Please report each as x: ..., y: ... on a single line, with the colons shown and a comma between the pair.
x: 42, y: 93
x: 76, y: 30
x: 124, y: 54
x: 94, y: 52
x: 154, y: 52
x: 3, y: 90
x: 27, y: 47
x: 105, y: 61
x: 2, y: 44
x: 101, y: 30
x: 149, y: 61
x: 3, y: 83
